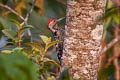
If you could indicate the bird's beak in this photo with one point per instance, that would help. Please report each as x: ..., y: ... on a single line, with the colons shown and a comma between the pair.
x: 58, y: 20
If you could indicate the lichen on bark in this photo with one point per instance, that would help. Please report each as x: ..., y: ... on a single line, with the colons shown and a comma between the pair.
x: 82, y: 38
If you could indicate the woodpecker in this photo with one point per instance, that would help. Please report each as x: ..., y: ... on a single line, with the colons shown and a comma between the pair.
x: 57, y: 34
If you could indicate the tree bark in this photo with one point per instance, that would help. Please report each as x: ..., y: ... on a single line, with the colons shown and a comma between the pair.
x: 83, y: 38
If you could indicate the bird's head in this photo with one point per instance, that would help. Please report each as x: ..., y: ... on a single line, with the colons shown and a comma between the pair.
x: 51, y: 23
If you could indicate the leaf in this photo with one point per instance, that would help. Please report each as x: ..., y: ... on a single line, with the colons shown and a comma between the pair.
x: 9, y: 33
x: 5, y: 23
x: 51, y: 78
x: 51, y: 61
x: 16, y: 23
x: 110, y: 12
x: 22, y: 24
x: 51, y: 44
x: 29, y: 26
x: 44, y: 38
x: 25, y: 27
x: 16, y: 66
x: 17, y: 49
x: 39, y: 47
x: 116, y: 18
x: 6, y: 51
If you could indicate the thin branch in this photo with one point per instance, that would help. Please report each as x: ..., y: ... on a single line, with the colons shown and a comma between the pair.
x: 29, y: 12
x: 11, y: 10
x: 116, y: 53
x: 110, y: 60
x: 102, y: 58
x: 27, y: 16
x: 108, y: 46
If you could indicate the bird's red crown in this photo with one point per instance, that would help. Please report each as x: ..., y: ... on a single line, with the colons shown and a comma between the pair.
x: 49, y: 22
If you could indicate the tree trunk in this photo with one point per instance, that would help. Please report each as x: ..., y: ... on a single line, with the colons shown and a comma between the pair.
x: 83, y: 38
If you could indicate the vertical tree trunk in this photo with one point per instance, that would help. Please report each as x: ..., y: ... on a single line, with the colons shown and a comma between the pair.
x: 82, y: 38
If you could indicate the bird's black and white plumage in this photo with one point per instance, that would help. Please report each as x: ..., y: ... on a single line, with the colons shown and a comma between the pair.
x: 58, y: 36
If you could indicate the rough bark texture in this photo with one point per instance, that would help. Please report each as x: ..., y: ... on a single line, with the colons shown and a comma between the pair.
x: 82, y: 38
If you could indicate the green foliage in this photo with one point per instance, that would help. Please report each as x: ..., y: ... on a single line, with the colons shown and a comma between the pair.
x: 51, y: 61
x: 24, y: 28
x: 42, y: 50
x: 45, y: 39
x: 10, y: 33
x: 38, y: 52
x: 16, y: 66
x: 16, y: 23
x: 4, y: 24
x: 52, y: 43
x: 36, y: 46
x: 6, y: 51
x: 14, y: 28
x: 48, y: 42
x: 16, y: 36
x: 105, y: 72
